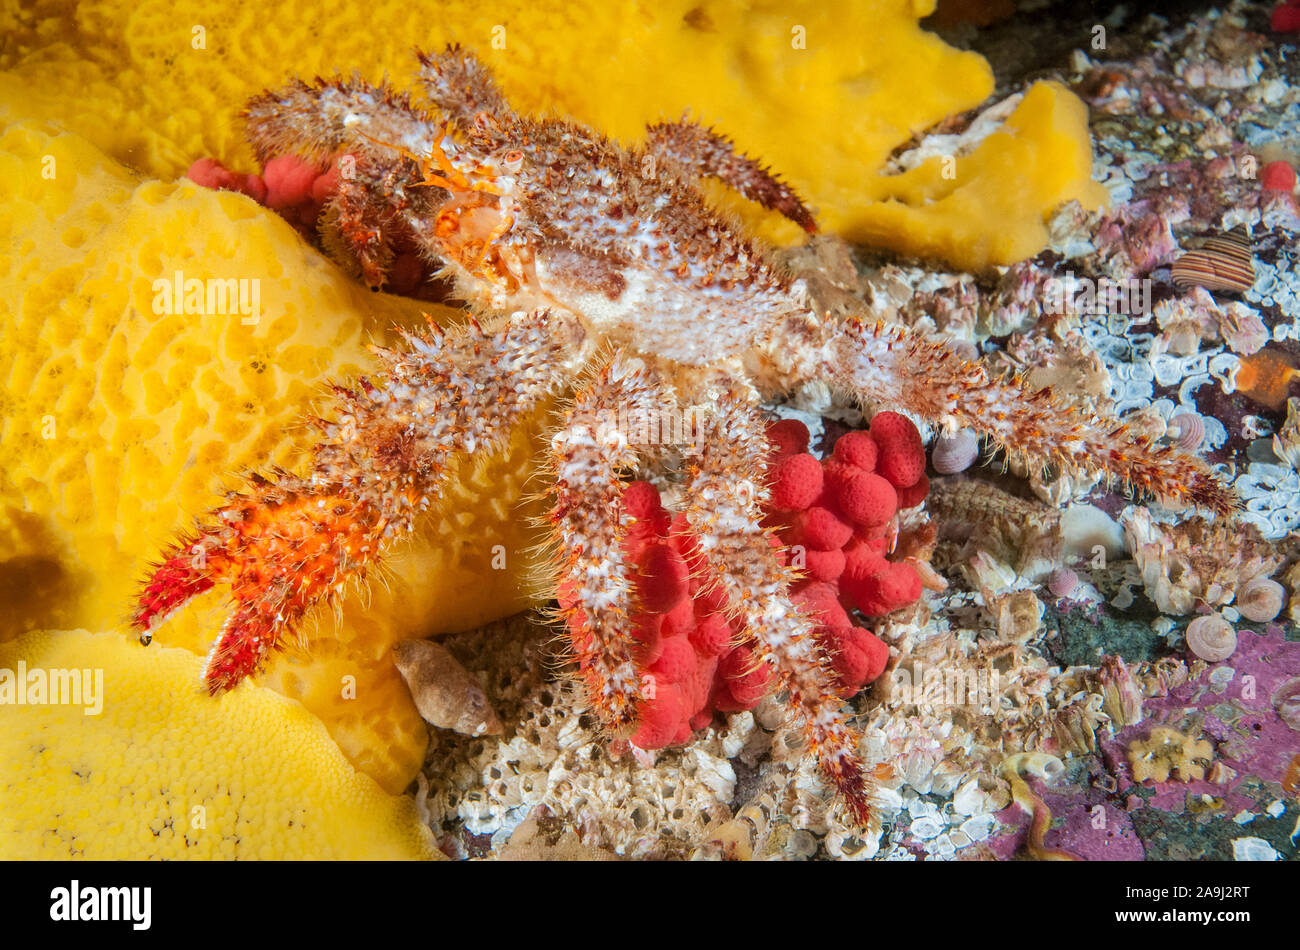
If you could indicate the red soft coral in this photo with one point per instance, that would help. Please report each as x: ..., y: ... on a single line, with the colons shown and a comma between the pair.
x: 662, y: 581
x: 289, y: 180
x: 858, y: 656
x: 788, y: 437
x: 902, y: 456
x: 866, y: 498
x: 857, y: 449
x: 1278, y: 175
x: 839, y: 511
x: 821, y: 529
x: 743, y: 681
x: 913, y: 495
x: 796, y: 482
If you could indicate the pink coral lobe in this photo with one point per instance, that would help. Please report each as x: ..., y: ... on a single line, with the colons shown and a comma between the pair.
x: 838, y: 508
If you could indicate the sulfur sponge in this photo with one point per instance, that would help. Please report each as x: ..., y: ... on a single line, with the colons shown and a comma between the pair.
x: 166, y: 771
x: 991, y: 206
x: 824, y: 93
x: 120, y: 424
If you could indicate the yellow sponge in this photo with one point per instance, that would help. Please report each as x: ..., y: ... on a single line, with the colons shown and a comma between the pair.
x: 166, y: 771
x: 118, y: 425
x: 823, y: 93
x: 987, y: 207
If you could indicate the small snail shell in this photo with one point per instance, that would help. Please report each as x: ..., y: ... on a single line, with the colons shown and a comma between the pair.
x: 1191, y: 430
x: 1211, y: 638
x: 1261, y: 599
x: 1223, y: 262
x: 1062, y: 582
x: 955, y: 453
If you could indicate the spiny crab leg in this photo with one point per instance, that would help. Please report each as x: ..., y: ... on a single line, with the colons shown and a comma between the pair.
x: 318, y: 121
x: 285, y: 545
x: 892, y: 365
x: 724, y: 506
x: 595, y: 581
x: 459, y: 85
x: 703, y: 152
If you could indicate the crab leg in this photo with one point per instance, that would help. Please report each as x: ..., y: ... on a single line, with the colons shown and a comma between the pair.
x: 317, y: 121
x: 357, y: 230
x: 595, y: 582
x: 459, y: 85
x: 724, y: 505
x: 703, y: 152
x: 285, y: 545
x: 379, y: 198
x: 894, y: 366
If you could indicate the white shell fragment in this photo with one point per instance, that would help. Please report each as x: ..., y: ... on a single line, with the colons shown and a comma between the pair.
x: 1253, y: 849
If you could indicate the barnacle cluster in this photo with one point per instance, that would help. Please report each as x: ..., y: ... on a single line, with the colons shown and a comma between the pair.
x: 1196, y: 561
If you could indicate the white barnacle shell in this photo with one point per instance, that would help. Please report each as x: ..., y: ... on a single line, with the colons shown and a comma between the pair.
x: 1190, y: 430
x: 1211, y: 638
x: 955, y: 453
x: 1261, y: 599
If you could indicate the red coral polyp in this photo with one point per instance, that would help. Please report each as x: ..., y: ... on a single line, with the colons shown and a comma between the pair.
x: 833, y: 514
x: 901, y: 455
x: 796, y: 483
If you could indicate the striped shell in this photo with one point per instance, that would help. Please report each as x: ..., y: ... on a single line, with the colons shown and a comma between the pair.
x: 955, y: 453
x: 1211, y: 638
x: 1225, y: 262
x: 1187, y: 429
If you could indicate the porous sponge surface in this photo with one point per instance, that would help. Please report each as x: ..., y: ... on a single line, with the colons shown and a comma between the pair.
x: 823, y: 93
x: 165, y: 771
x: 119, y: 425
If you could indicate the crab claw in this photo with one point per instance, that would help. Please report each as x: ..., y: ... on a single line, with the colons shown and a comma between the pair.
x: 245, y: 640
x: 175, y: 581
x: 282, y: 549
